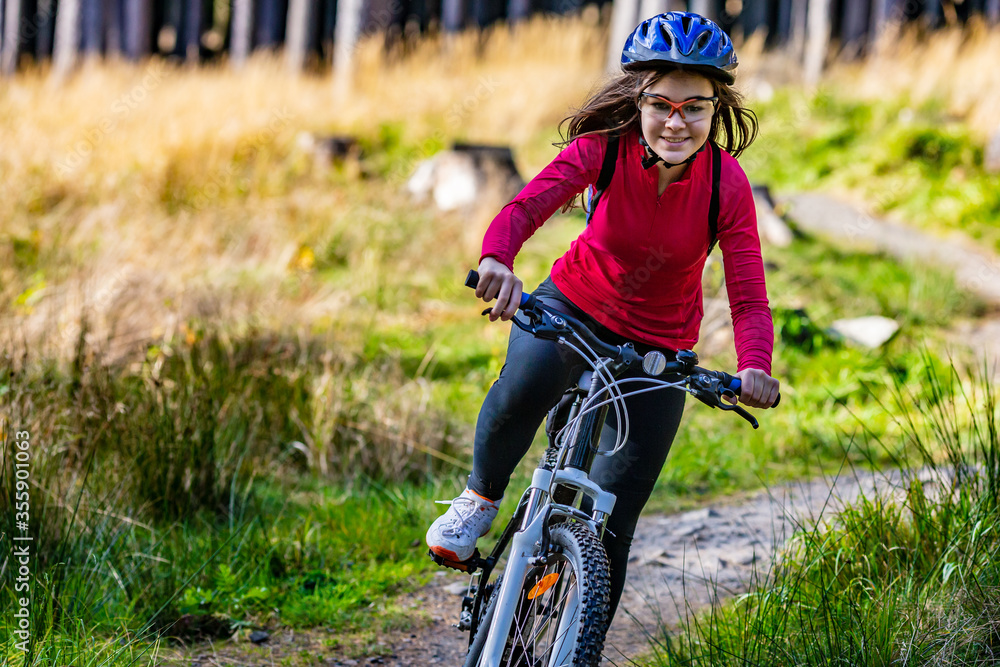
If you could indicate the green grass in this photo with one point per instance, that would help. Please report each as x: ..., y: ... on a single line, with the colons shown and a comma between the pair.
x: 904, y: 579
x: 266, y: 473
x: 915, y: 162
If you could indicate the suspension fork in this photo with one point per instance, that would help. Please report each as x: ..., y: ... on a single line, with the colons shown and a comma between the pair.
x: 588, y: 437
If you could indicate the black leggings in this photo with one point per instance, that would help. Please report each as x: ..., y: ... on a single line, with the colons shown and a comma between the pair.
x: 533, y: 379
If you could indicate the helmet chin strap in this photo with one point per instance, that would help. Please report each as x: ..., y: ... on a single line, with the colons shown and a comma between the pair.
x: 650, y: 158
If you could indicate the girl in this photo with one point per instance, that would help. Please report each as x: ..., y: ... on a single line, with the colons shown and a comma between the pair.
x: 634, y: 274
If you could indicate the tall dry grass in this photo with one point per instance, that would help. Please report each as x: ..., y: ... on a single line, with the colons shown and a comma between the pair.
x: 956, y: 66
x: 147, y: 196
x: 152, y: 196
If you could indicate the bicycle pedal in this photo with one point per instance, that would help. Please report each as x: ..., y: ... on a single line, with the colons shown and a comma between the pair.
x: 468, y: 566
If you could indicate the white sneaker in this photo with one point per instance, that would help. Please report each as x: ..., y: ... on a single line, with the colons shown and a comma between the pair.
x: 453, y: 535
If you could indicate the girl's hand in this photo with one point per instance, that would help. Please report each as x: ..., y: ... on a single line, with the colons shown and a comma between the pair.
x: 499, y: 282
x: 759, y: 390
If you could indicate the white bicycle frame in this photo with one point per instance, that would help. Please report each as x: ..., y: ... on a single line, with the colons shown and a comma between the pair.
x: 538, y: 511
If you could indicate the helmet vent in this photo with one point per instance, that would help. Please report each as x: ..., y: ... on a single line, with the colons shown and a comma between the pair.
x: 667, y: 37
x: 686, y: 24
x: 703, y: 40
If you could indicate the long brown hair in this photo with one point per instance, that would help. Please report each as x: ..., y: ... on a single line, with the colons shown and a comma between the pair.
x: 614, y: 109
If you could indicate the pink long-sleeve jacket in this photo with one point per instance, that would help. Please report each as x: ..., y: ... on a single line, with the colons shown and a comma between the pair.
x: 637, y: 268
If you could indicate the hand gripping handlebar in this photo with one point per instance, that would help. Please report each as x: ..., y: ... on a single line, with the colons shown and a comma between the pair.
x: 705, y: 382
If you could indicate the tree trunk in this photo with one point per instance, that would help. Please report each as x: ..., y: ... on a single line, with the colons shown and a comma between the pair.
x: 783, y: 27
x: 854, y: 27
x: 992, y: 11
x: 452, y: 15
x: 518, y: 10
x: 885, y: 14
x: 490, y: 11
x: 345, y: 39
x: 799, y: 29
x: 707, y: 8
x: 269, y: 23
x: 11, y: 37
x: 819, y: 40
x: 45, y: 24
x: 92, y: 27
x: 624, y: 19
x: 242, y: 32
x: 932, y: 13
x: 169, y: 14
x: 137, y: 28
x: 326, y: 30
x: 755, y: 17
x: 113, y: 28
x: 191, y: 34
x: 300, y: 20
x: 67, y: 38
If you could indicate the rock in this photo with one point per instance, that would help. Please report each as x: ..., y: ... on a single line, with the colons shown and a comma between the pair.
x: 457, y: 182
x: 703, y: 514
x: 457, y: 588
x: 689, y: 530
x: 461, y: 177
x: 200, y: 627
x: 772, y: 228
x: 259, y: 636
x: 653, y: 556
x: 871, y: 332
x: 326, y: 150
x: 991, y: 156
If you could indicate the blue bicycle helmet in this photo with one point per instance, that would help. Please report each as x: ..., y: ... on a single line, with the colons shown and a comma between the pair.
x: 682, y: 38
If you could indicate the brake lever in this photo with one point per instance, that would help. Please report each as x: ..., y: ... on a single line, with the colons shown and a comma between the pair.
x: 746, y: 415
x: 540, y: 322
x: 709, y: 390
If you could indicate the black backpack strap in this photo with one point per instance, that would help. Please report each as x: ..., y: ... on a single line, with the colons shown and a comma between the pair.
x: 608, y: 166
x: 607, y: 173
x: 713, y: 207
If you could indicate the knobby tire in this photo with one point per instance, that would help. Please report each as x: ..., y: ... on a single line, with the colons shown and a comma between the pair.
x: 579, y: 558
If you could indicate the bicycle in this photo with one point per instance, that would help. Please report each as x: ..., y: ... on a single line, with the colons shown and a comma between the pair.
x: 548, y: 604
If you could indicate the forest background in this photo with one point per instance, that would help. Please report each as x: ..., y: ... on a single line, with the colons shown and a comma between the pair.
x: 244, y: 370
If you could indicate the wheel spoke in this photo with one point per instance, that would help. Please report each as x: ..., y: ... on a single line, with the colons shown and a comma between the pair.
x: 537, y: 624
x: 557, y: 624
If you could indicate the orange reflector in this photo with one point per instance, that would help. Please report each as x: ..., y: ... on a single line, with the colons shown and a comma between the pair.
x: 547, y: 582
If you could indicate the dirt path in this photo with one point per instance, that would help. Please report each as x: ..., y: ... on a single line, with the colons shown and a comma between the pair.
x: 680, y: 563
x: 975, y: 268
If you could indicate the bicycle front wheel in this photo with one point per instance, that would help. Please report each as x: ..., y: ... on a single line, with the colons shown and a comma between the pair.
x: 561, y: 616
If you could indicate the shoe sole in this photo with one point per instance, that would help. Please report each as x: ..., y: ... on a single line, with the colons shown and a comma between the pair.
x: 447, y: 554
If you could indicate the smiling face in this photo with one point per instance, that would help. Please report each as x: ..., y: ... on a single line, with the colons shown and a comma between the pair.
x: 675, y: 139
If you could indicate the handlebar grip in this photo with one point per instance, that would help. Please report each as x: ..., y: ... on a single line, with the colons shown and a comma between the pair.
x: 733, y: 383
x: 472, y: 280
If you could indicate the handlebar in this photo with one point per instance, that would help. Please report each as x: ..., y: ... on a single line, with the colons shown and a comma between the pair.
x: 553, y: 325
